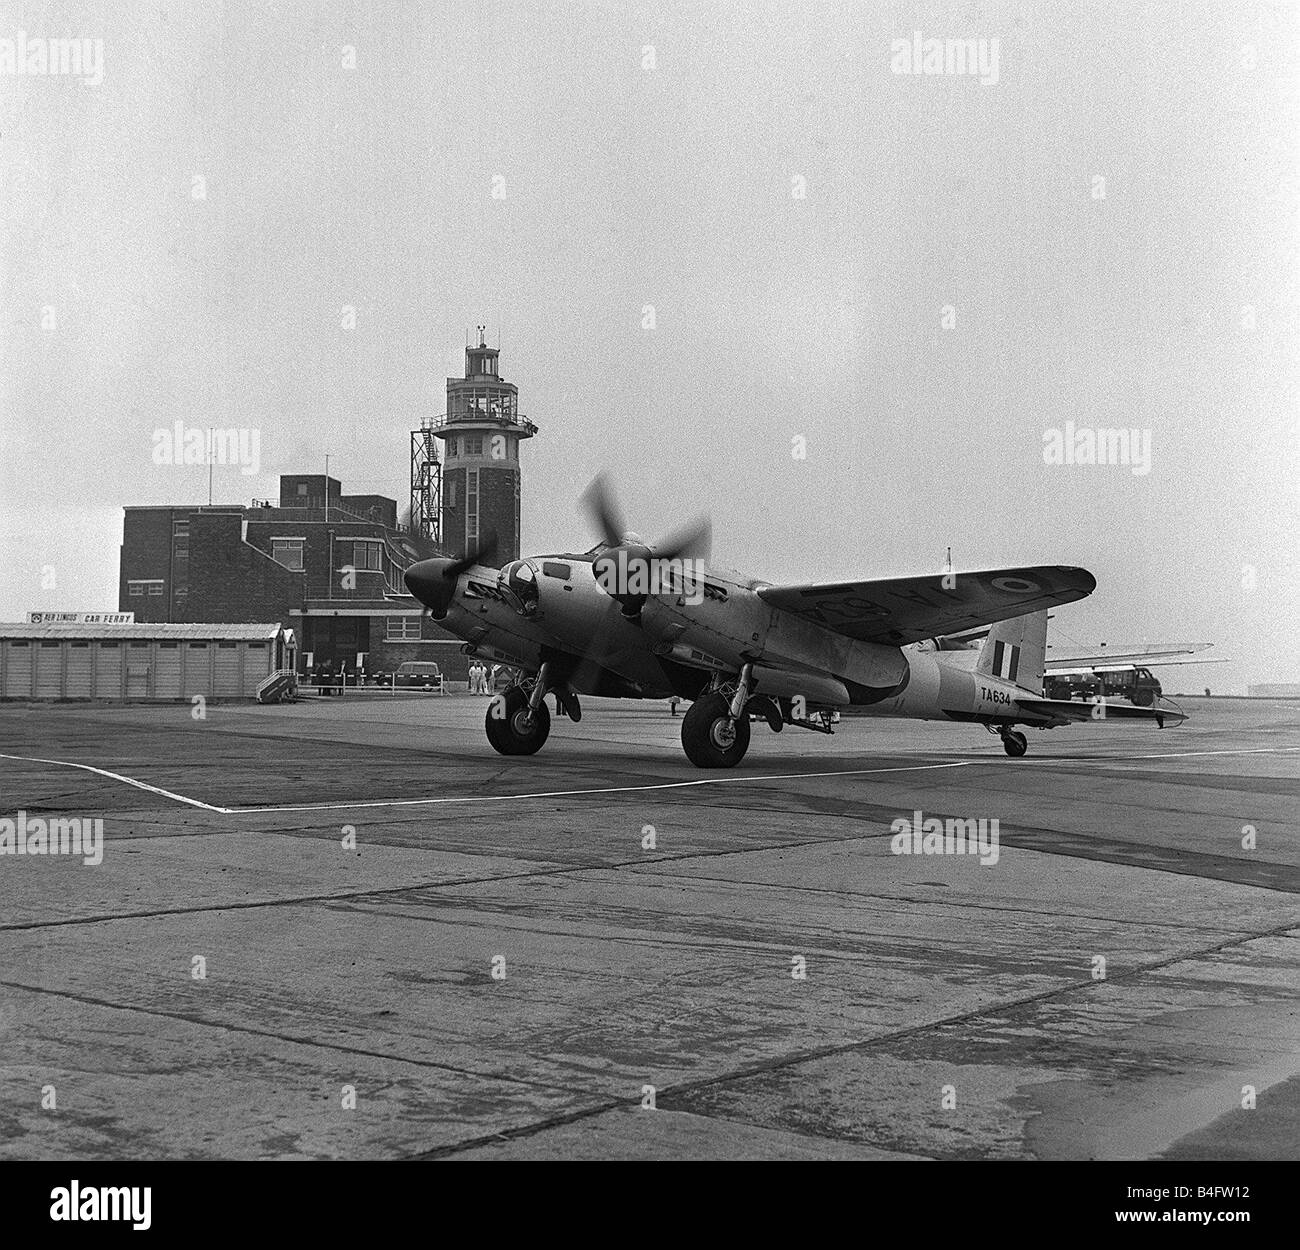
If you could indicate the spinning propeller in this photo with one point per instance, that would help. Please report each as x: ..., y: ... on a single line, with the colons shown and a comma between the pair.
x: 624, y: 552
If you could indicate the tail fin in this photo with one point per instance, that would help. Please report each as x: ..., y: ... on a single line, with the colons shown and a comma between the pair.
x: 1016, y: 651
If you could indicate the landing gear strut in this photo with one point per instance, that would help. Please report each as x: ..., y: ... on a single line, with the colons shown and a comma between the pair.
x: 715, y: 729
x: 711, y: 736
x: 1013, y: 743
x: 518, y: 720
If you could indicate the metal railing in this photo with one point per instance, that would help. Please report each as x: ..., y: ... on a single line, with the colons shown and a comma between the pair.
x: 359, y: 683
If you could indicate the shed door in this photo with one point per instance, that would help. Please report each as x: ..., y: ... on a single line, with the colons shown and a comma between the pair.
x: 226, y: 670
x: 139, y: 660
x: 18, y: 669
x: 77, y: 680
x: 108, y: 670
x: 49, y: 669
x: 198, y: 668
x: 167, y: 671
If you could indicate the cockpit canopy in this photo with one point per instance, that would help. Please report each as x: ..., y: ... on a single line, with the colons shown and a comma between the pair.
x: 518, y: 583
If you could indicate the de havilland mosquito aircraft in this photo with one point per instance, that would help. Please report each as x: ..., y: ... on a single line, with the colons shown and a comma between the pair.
x: 625, y: 620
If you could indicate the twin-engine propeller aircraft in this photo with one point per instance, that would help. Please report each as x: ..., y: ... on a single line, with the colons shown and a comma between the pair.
x: 627, y: 620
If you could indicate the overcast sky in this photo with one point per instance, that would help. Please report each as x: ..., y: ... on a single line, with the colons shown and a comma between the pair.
x: 1111, y: 219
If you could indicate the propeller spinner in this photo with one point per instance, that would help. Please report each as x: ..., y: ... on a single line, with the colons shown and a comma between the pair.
x: 433, y: 582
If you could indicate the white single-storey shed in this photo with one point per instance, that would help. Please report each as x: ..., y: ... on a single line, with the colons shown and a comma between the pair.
x: 143, y: 661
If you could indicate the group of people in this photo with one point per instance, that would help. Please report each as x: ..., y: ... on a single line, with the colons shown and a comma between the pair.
x: 481, y: 679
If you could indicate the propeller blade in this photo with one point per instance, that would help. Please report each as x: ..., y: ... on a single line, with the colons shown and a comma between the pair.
x: 481, y: 553
x: 692, y: 542
x: 598, y: 499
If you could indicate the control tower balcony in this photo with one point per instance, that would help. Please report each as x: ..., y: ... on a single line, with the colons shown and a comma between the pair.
x: 477, y: 419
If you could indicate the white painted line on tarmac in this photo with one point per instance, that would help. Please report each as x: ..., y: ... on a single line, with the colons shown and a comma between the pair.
x: 735, y: 779
x: 130, y: 781
x: 562, y: 794
x: 739, y: 779
x: 1170, y: 755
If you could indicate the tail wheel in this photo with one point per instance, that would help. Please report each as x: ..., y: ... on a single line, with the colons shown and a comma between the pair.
x: 1014, y: 743
x: 710, y: 737
x: 511, y: 728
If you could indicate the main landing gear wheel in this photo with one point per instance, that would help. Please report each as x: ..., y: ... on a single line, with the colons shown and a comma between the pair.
x: 1014, y: 743
x: 511, y: 728
x: 710, y: 737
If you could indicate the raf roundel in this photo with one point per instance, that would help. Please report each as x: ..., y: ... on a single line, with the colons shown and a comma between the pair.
x: 1015, y: 585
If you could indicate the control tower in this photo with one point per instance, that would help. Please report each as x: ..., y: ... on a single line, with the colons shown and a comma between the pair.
x: 481, y: 432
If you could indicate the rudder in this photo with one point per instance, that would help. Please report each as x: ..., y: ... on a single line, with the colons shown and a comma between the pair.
x: 1016, y: 651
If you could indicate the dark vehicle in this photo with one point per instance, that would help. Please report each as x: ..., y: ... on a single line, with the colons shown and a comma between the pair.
x: 420, y: 674
x: 1136, y: 685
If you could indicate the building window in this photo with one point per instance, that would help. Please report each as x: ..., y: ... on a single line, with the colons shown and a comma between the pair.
x: 473, y: 444
x: 471, y: 507
x: 288, y: 551
x: 367, y: 556
x: 145, y: 586
x: 451, y: 494
x: 451, y: 448
x: 403, y: 629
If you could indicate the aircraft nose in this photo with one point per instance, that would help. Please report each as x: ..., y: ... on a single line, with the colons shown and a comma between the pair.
x: 426, y: 581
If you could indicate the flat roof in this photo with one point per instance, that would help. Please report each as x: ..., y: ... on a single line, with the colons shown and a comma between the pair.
x: 197, y: 632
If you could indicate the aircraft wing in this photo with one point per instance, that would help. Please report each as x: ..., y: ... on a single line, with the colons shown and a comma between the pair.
x: 899, y: 610
x: 1061, y: 669
x: 1062, y: 710
x: 1097, y: 661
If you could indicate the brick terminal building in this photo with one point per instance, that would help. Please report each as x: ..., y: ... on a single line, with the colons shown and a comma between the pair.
x: 329, y: 565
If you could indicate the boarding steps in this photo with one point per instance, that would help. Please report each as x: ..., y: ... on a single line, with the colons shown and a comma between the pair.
x: 279, y: 687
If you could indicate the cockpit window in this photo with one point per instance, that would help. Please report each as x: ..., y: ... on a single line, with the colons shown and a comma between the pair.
x: 553, y: 568
x: 518, y: 583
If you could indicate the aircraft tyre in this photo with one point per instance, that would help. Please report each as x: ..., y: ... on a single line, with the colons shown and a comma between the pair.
x: 1014, y: 743
x: 710, y: 738
x: 515, y: 732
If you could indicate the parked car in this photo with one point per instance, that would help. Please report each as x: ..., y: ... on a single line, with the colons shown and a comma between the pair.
x: 421, y: 674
